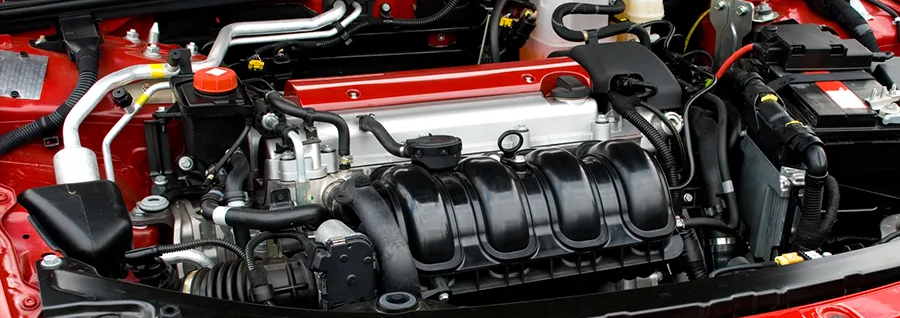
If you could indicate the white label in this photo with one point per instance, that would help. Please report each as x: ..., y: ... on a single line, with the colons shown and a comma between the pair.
x: 216, y: 72
x: 846, y: 99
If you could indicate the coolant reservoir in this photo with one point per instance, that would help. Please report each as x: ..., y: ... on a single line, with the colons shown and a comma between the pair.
x: 640, y: 11
x: 544, y: 41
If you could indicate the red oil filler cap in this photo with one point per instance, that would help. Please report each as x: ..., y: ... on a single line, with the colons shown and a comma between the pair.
x: 215, y: 81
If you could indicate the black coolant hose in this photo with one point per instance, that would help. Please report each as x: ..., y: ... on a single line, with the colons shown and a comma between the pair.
x: 494, y: 29
x: 616, y: 7
x: 741, y: 267
x: 844, y: 15
x: 308, y: 114
x: 722, y: 155
x: 396, y: 264
x: 234, y: 192
x: 86, y: 61
x: 372, y: 125
x: 310, y: 215
x: 704, y: 131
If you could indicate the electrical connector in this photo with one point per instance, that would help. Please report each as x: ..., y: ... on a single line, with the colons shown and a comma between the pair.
x: 789, y: 258
x: 256, y: 65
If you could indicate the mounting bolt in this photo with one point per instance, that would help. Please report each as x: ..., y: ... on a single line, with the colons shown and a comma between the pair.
x: 160, y: 180
x: 51, y: 261
x: 742, y: 10
x: 444, y: 297
x: 193, y: 48
x: 688, y: 198
x: 353, y: 94
x: 720, y: 5
x: 133, y: 36
x: 186, y: 163
x: 441, y: 37
x: 327, y: 148
x: 385, y: 7
x: 152, y: 50
x: 161, y: 109
x: 4, y: 197
x: 269, y: 121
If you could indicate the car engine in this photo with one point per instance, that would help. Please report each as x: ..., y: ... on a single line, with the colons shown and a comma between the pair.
x: 399, y: 156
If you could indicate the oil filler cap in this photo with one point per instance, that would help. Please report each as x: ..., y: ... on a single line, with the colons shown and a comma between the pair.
x: 215, y: 81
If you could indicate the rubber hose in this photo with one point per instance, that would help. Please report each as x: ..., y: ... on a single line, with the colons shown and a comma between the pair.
x: 370, y: 124
x: 741, y: 267
x: 621, y: 28
x: 694, y: 263
x: 809, y: 234
x: 437, y: 16
x: 494, y: 30
x: 288, y: 107
x: 565, y: 9
x: 50, y: 123
x: 704, y: 132
x: 311, y: 215
x: 722, y: 154
x: 844, y: 15
x: 398, y: 269
x: 351, y: 29
x: 708, y: 222
x: 234, y: 183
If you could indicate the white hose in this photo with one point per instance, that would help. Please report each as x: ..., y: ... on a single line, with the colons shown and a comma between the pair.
x: 75, y: 163
x: 117, y: 128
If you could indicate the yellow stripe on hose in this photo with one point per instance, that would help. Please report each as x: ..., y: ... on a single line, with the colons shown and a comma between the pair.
x: 142, y: 99
x: 157, y: 70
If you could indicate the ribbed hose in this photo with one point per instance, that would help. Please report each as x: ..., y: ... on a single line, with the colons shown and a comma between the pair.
x: 226, y: 280
x: 265, y: 236
x: 813, y: 229
x: 494, y: 30
x: 565, y: 9
x: 858, y: 238
x: 693, y: 255
x: 51, y: 122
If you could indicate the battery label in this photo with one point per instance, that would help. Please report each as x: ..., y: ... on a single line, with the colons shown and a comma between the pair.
x: 841, y: 96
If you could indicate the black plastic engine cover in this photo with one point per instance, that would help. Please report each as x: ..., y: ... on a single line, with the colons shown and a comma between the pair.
x: 88, y: 221
x: 607, y: 61
x: 561, y: 216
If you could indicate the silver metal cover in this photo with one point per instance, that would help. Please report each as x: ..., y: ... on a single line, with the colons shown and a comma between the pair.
x: 22, y: 74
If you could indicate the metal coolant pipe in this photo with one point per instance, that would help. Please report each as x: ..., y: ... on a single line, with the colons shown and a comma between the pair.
x: 75, y: 163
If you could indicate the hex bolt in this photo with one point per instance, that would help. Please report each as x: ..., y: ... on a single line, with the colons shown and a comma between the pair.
x: 193, y: 48
x: 133, y: 36
x: 160, y: 180
x: 719, y: 5
x: 688, y: 198
x: 385, y: 7
x: 269, y: 121
x: 186, y: 163
x: 327, y: 148
x: 51, y: 261
x: 742, y: 10
x: 444, y: 297
x: 441, y: 37
x: 353, y: 94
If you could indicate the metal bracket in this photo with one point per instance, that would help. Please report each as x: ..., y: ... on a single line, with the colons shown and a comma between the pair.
x: 732, y: 20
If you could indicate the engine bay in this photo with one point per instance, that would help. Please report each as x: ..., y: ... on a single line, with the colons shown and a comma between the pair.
x: 410, y: 156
